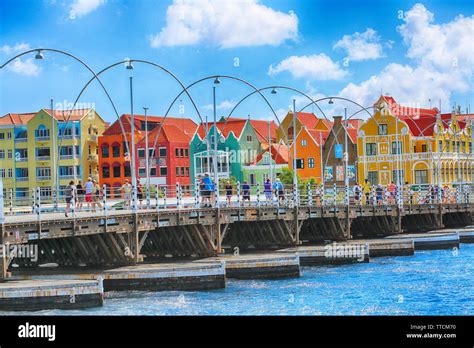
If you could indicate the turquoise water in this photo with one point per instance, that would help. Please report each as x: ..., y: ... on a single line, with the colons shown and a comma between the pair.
x: 438, y: 282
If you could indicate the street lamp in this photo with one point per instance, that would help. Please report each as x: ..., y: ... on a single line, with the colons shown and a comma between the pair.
x: 274, y: 91
x: 217, y: 81
x: 132, y: 154
x: 216, y: 176
x: 330, y: 101
x: 39, y: 55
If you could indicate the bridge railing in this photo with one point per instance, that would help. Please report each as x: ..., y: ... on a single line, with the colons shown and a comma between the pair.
x: 104, y: 199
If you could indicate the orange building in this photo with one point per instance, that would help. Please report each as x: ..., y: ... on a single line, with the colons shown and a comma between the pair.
x: 308, y: 153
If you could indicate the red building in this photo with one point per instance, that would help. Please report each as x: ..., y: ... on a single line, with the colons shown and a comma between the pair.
x: 169, y: 155
x: 114, y: 159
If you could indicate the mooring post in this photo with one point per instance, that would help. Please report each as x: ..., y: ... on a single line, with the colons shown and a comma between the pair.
x: 3, y: 259
x: 38, y: 210
x: 148, y: 197
x: 218, y: 217
x: 55, y: 198
x: 165, y: 194
x: 157, y: 205
x: 335, y: 196
x: 196, y: 195
x: 373, y: 196
x: 258, y: 194
x: 310, y: 195
x: 323, y: 196
x: 178, y: 196
x: 2, y: 212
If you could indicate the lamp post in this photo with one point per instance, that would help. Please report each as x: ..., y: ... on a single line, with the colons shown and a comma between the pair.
x: 346, y: 159
x: 295, y: 180
x: 132, y: 154
x: 216, y: 175
x: 53, y: 155
x: 270, y: 150
x: 147, y: 165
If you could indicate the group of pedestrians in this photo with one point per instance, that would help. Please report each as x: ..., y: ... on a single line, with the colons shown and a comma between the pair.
x: 207, y: 191
x: 90, y: 193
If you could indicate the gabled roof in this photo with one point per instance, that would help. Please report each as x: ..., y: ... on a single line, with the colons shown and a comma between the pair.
x: 168, y: 133
x: 261, y: 129
x: 72, y: 115
x: 318, y: 135
x: 232, y: 125
x: 279, y: 154
x: 16, y: 119
x: 308, y: 119
x: 186, y: 124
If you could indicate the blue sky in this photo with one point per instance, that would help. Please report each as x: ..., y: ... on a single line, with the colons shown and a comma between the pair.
x: 413, y: 50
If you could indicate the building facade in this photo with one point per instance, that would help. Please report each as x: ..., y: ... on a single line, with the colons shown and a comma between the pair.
x: 29, y: 157
x: 414, y: 145
x: 334, y: 151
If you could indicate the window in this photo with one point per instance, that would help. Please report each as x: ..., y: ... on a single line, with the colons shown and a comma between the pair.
x: 22, y: 135
x: 396, y: 147
x: 163, y: 171
x: 448, y: 149
x: 21, y: 154
x: 43, y: 172
x: 142, y: 172
x: 2, y: 136
x: 304, y: 142
x: 394, y: 175
x: 106, y: 172
x: 440, y: 146
x: 421, y: 177
x: 382, y: 129
x: 249, y: 138
x: 181, y: 152
x: 21, y: 173
x: 176, y: 152
x: 310, y: 162
x: 162, y: 151
x: 182, y: 171
x: 141, y: 153
x: 43, y: 152
x: 116, y: 171
x: 42, y: 133
x: 22, y: 192
x: 186, y: 152
x: 252, y: 179
x: 463, y: 146
x: 67, y: 132
x: 9, y: 135
x: 2, y: 154
x: 10, y: 154
x: 186, y: 171
x: 124, y: 145
x: 68, y: 171
x: 177, y: 171
x: 2, y: 172
x: 45, y: 192
x: 116, y: 150
x: 371, y: 149
x: 299, y: 163
x: 10, y: 172
x: 127, y: 171
x: 424, y: 148
x: 373, y: 178
x: 105, y: 151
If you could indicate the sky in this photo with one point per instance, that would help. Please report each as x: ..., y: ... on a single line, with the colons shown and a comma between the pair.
x: 419, y: 52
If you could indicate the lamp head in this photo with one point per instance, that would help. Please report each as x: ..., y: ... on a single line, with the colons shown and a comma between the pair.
x: 39, y: 55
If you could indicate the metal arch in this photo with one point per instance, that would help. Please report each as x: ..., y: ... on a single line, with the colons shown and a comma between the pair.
x: 139, y: 61
x: 208, y: 78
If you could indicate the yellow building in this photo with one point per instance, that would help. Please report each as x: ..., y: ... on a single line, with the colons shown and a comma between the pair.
x: 428, y: 146
x: 28, y: 158
x: 303, y: 119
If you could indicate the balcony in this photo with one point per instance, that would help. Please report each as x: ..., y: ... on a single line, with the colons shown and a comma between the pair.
x: 21, y: 178
x: 92, y: 138
x: 44, y: 177
x: 43, y: 158
x: 66, y: 176
x: 93, y: 158
x: 66, y: 157
x: 45, y: 138
x: 21, y: 140
x: 21, y: 159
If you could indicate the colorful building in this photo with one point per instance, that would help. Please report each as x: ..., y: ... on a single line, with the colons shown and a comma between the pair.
x: 303, y: 119
x: 237, y: 145
x: 308, y: 153
x: 334, y: 151
x: 114, y: 159
x: 428, y: 146
x: 269, y: 164
x: 27, y: 154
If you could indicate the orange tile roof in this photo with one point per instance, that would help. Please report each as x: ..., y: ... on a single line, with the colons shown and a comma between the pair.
x: 308, y: 119
x: 16, y: 119
x: 168, y: 133
x: 279, y: 154
x: 261, y: 129
x: 315, y: 134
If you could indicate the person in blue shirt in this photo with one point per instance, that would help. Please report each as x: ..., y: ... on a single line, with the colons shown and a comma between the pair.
x: 278, y: 186
x: 267, y: 188
x: 207, y: 189
x: 246, y: 192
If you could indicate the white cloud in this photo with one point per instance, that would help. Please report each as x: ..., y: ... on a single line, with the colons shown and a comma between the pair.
x: 361, y: 46
x: 314, y: 67
x: 26, y: 67
x: 20, y: 66
x: 7, y: 49
x: 224, y: 105
x: 225, y: 24
x: 443, y: 60
x: 81, y: 8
